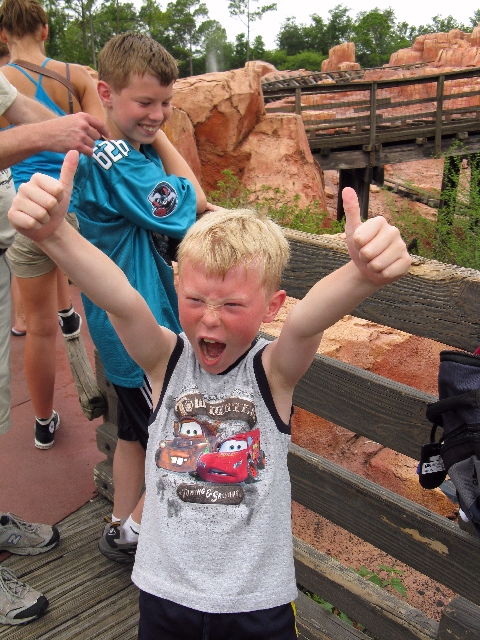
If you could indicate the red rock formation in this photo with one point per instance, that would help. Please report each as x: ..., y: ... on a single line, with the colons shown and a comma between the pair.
x: 233, y: 132
x: 179, y: 131
x: 342, y: 54
x: 453, y: 49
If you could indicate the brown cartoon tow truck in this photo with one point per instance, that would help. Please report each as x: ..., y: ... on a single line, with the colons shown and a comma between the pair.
x: 192, y: 438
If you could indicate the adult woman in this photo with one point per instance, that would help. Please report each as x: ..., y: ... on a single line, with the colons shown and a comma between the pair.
x: 43, y: 287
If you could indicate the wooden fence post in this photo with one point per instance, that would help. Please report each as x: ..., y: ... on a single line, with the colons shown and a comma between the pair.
x: 460, y: 621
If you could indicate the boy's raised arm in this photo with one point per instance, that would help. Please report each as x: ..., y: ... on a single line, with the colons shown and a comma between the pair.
x: 38, y: 212
x: 378, y: 257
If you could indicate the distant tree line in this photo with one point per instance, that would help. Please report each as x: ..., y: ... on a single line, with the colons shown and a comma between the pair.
x: 80, y: 28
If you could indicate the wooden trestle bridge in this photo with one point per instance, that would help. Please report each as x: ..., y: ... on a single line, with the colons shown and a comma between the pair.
x: 357, y: 125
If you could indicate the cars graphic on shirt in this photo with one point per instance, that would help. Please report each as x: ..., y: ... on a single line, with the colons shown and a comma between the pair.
x: 191, y: 438
x: 233, y: 460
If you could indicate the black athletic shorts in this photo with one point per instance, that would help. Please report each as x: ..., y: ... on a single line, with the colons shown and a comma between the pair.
x: 165, y: 620
x: 134, y: 412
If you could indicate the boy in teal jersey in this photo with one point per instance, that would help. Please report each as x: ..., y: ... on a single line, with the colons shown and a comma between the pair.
x: 134, y: 198
x: 215, y: 556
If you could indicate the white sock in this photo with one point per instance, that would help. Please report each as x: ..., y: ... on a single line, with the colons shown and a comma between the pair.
x: 44, y: 421
x: 114, y: 519
x: 131, y: 529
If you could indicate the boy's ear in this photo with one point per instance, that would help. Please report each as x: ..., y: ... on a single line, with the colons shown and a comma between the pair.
x: 104, y: 92
x: 274, y: 305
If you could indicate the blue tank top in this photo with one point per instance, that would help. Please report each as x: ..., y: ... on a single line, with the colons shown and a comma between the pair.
x: 47, y: 162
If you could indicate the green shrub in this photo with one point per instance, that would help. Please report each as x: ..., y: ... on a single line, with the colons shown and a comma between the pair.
x: 276, y: 203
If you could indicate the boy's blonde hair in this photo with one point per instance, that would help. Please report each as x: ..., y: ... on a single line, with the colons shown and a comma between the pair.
x: 135, y: 54
x: 22, y: 18
x: 224, y: 239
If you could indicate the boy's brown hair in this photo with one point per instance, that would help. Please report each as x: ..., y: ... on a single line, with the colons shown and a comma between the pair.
x: 223, y: 240
x: 135, y: 54
x: 22, y: 17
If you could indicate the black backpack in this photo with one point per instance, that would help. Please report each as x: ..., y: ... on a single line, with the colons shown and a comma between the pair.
x: 457, y: 412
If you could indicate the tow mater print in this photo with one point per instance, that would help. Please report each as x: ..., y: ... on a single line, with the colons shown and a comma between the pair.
x: 192, y: 437
x: 236, y: 459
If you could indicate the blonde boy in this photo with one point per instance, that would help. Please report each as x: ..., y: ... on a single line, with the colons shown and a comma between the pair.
x: 215, y: 553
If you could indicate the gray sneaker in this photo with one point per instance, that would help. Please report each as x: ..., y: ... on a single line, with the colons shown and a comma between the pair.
x: 25, y: 538
x: 114, y: 546
x: 19, y: 603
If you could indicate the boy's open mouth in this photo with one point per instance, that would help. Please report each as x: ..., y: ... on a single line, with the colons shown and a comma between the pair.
x: 211, y: 349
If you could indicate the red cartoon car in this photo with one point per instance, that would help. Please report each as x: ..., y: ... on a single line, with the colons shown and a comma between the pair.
x: 236, y: 459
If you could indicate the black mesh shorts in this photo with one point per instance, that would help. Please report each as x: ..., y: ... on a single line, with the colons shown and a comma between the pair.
x: 160, y: 618
x: 134, y: 411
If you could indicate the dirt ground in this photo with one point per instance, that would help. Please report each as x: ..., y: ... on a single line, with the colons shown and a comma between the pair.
x: 399, y: 356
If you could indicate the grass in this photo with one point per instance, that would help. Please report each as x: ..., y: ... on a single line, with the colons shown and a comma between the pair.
x: 454, y: 236
x: 276, y: 203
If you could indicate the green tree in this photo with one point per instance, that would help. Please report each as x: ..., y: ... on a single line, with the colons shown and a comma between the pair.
x: 376, y: 37
x: 57, y: 23
x: 241, y: 9
x: 239, y: 52
x: 186, y: 17
x: 155, y: 22
x: 475, y: 19
x: 292, y: 38
x: 83, y: 11
x: 218, y: 51
x: 339, y: 28
x: 112, y: 18
x: 440, y: 24
x: 257, y: 49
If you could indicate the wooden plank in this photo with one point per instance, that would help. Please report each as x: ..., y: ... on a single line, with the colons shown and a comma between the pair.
x: 408, y: 151
x: 382, y: 613
x: 362, y: 85
x: 316, y: 623
x: 107, y: 438
x: 75, y: 576
x: 436, y: 301
x: 103, y: 479
x: 344, y: 137
x: 439, y: 116
x: 77, y: 530
x: 91, y: 399
x: 108, y: 391
x: 409, y: 532
x: 460, y: 621
x: 107, y: 618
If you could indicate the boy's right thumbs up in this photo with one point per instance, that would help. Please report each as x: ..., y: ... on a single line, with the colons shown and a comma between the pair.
x: 40, y: 205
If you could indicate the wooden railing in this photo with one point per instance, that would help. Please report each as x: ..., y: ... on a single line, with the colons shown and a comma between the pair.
x: 379, y: 121
x: 437, y: 301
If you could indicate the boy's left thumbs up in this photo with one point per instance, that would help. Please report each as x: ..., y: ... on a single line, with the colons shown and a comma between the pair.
x: 352, y: 211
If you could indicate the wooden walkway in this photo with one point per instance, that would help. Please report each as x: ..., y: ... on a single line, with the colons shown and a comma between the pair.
x: 90, y: 596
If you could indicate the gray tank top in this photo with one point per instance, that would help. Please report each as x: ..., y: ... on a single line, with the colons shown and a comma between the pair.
x: 216, y: 527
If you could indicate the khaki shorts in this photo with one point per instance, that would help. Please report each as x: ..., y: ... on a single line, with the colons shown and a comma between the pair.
x: 28, y: 260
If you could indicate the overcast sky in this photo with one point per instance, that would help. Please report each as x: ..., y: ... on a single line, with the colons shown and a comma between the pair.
x: 411, y: 11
